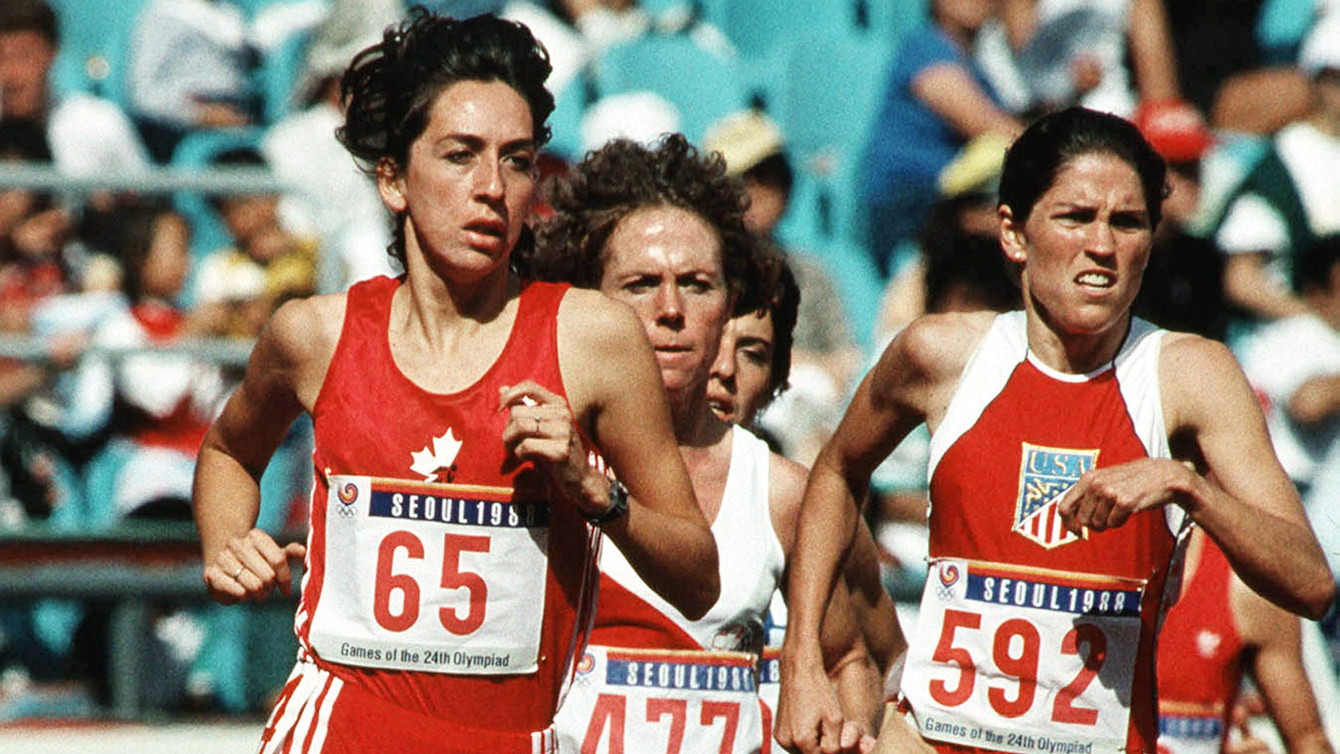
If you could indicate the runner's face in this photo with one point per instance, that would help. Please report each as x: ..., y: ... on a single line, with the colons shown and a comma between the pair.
x: 665, y: 262
x: 742, y: 371
x: 470, y: 178
x: 1084, y: 245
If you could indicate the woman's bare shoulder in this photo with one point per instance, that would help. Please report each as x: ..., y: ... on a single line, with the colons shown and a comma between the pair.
x: 935, y: 347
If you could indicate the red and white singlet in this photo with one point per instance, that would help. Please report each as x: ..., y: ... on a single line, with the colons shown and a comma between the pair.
x: 445, y: 593
x: 654, y: 681
x: 1032, y: 639
x: 1199, y: 659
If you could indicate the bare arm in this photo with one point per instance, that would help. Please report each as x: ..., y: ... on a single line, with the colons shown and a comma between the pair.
x: 854, y: 675
x: 1246, y: 284
x: 1152, y: 54
x: 952, y: 93
x: 909, y: 385
x: 1316, y: 399
x: 616, y: 392
x: 1250, y: 509
x: 1277, y: 665
x: 281, y: 380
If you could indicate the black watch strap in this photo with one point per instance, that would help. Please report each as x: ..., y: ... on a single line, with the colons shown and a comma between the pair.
x: 618, y: 505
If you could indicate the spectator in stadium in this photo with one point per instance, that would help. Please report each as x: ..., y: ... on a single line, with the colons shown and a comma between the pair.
x: 158, y: 405
x: 34, y: 270
x: 87, y: 135
x: 1294, y: 363
x: 240, y: 286
x: 191, y: 68
x: 936, y: 100
x: 472, y: 386
x: 1183, y: 286
x: 824, y: 355
x: 1058, y: 436
x: 1075, y: 52
x: 1291, y: 195
x: 331, y: 199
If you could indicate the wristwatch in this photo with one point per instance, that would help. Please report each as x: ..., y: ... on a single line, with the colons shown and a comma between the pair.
x: 618, y: 505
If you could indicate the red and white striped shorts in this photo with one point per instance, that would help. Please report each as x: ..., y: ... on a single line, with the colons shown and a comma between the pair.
x: 318, y: 713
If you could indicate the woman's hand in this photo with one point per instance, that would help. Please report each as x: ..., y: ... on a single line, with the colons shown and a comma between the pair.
x: 540, y: 429
x: 1105, y: 498
x: 249, y: 567
x: 809, y: 718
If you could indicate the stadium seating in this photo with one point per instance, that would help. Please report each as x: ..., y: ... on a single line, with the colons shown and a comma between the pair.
x: 94, y: 46
x: 702, y: 86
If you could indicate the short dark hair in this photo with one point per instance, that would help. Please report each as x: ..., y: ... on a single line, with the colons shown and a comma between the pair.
x: 624, y: 176
x: 1052, y: 141
x: 782, y: 296
x: 30, y: 15
x: 389, y: 88
x: 774, y: 171
x: 1312, y: 265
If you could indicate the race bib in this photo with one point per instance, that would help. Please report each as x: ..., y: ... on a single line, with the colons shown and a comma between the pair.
x: 1024, y: 659
x: 1190, y: 729
x: 642, y: 701
x: 770, y: 679
x: 431, y: 577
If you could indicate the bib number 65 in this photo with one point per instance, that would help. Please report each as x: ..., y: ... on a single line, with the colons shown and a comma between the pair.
x: 388, y: 583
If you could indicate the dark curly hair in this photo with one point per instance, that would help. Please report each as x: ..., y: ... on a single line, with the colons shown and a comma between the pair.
x: 782, y: 296
x: 624, y: 176
x: 389, y: 88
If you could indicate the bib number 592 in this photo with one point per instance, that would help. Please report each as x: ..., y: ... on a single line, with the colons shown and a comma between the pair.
x: 1016, y: 650
x: 388, y: 583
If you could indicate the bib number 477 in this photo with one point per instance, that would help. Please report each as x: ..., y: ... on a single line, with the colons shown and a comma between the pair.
x: 1017, y: 650
x: 400, y: 614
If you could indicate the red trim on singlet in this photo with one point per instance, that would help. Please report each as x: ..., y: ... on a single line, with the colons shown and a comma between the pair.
x: 976, y: 488
x: 626, y: 620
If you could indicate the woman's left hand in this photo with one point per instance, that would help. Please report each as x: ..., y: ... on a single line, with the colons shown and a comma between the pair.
x: 540, y: 429
x: 1105, y: 498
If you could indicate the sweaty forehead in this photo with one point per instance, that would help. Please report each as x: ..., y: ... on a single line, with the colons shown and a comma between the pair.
x: 664, y: 239
x: 1096, y: 177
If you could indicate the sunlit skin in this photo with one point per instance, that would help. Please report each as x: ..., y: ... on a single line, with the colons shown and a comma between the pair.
x: 738, y: 388
x: 469, y: 181
x: 1083, y: 249
x: 665, y: 262
x: 25, y: 58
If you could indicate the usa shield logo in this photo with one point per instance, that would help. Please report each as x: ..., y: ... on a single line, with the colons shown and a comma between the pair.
x: 1044, y: 476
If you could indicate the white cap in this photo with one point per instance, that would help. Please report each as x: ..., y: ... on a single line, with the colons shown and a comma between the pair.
x: 641, y: 116
x: 1321, y: 49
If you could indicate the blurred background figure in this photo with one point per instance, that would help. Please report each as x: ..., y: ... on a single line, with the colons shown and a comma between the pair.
x: 1108, y: 55
x: 329, y: 197
x: 937, y: 99
x: 239, y: 286
x: 1291, y: 194
x: 823, y: 354
x: 1183, y: 286
x: 87, y: 135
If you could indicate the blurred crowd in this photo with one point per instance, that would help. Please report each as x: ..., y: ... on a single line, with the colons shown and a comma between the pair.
x: 868, y: 133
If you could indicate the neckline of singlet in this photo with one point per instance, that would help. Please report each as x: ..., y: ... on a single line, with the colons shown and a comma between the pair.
x: 512, y: 335
x: 1057, y: 374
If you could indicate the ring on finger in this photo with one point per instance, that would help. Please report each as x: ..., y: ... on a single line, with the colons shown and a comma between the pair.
x: 537, y: 425
x: 238, y: 572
